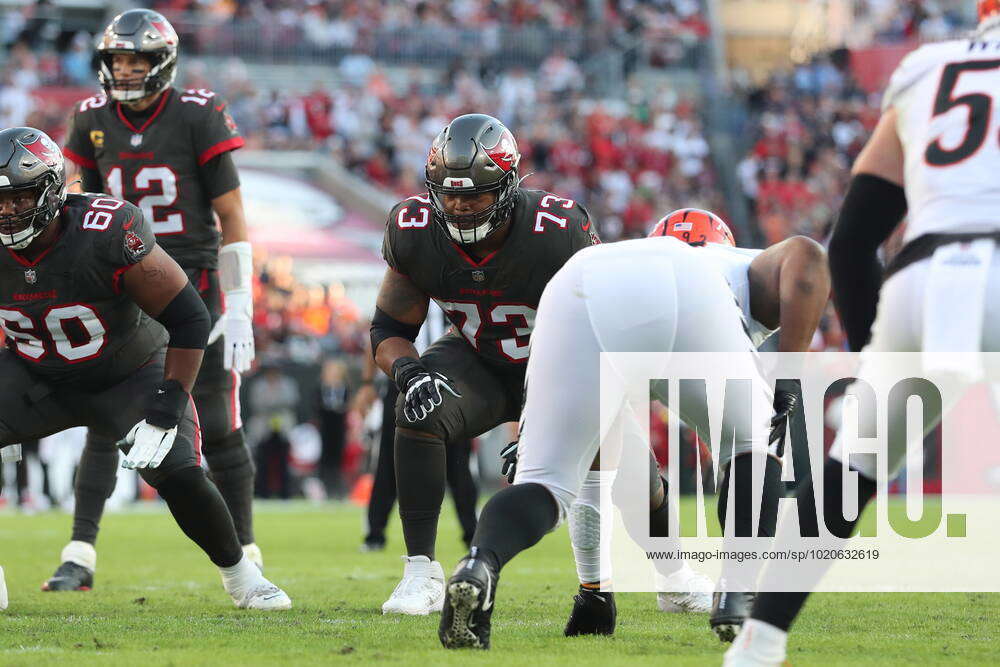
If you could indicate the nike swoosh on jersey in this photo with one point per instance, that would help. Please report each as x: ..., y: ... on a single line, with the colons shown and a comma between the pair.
x: 129, y: 223
x: 220, y: 107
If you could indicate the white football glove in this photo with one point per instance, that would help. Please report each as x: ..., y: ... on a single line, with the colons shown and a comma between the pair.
x: 150, y: 445
x: 238, y: 331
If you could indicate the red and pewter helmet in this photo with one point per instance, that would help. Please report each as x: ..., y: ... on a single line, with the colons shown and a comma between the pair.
x: 30, y: 161
x: 695, y: 227
x: 144, y: 32
x: 474, y: 154
x: 989, y: 14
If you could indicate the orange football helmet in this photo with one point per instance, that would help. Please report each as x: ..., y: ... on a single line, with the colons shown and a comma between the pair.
x: 987, y: 9
x: 695, y: 227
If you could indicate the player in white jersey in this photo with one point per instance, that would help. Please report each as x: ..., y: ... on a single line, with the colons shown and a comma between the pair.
x: 648, y: 295
x: 934, y: 156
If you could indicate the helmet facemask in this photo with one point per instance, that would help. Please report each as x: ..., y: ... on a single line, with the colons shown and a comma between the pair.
x: 18, y: 230
x: 474, y: 227
x: 163, y: 68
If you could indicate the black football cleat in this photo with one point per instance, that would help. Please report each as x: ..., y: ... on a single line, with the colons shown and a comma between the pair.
x: 594, y: 613
x: 729, y: 610
x: 468, y: 604
x: 70, y: 577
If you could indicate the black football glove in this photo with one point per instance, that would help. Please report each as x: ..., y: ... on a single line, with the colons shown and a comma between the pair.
x: 509, y: 456
x: 421, y: 389
x: 784, y: 405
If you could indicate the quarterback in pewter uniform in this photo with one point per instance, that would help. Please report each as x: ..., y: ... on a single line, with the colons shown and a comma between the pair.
x: 933, y: 157
x: 483, y: 248
x: 168, y: 151
x: 681, y: 298
x: 104, y: 330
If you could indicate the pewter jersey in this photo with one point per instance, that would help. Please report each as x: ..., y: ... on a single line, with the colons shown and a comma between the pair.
x: 157, y: 166
x: 65, y: 314
x: 491, y: 301
x: 948, y: 124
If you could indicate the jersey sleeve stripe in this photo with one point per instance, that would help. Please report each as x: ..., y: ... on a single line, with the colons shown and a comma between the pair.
x: 79, y: 159
x: 230, y: 144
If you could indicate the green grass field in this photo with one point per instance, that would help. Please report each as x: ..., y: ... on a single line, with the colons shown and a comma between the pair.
x: 158, y: 601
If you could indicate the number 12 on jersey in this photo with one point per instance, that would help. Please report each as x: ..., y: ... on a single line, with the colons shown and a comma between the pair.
x: 147, y: 178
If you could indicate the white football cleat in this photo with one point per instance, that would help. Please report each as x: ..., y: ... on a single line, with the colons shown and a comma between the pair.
x: 684, y: 591
x: 266, y: 597
x: 252, y: 551
x: 3, y: 591
x: 758, y: 644
x: 421, y: 591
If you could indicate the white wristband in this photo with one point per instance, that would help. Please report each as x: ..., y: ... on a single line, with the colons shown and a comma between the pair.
x: 236, y: 266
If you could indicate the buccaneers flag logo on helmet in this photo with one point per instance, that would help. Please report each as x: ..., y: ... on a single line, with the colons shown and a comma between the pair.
x: 695, y: 227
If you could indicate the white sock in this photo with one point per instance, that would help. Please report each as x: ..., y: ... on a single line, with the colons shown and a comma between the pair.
x: 82, y: 553
x: 591, y: 537
x: 239, y: 578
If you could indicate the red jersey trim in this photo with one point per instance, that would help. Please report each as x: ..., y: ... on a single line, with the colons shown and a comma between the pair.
x: 23, y: 262
x: 79, y: 159
x: 149, y: 121
x: 230, y: 144
x: 116, y: 278
x: 469, y: 259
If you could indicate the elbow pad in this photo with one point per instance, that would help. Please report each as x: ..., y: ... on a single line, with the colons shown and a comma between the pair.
x: 186, y: 320
x: 385, y: 326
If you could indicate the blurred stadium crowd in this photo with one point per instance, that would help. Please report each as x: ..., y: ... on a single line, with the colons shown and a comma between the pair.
x: 629, y: 155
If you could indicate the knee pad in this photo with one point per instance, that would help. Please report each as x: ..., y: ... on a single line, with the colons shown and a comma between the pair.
x: 227, y: 453
x: 432, y: 425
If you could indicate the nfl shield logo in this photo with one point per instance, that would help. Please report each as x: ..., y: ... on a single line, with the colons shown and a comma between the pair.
x: 479, y: 276
x: 30, y: 276
x: 136, y: 140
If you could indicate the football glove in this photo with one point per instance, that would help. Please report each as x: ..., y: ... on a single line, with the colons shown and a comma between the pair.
x: 784, y: 405
x: 237, y: 331
x: 509, y: 456
x: 421, y: 388
x: 148, y: 442
x: 146, y: 445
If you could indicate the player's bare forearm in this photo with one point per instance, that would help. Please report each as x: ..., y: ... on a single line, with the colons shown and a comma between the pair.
x: 401, y: 300
x: 392, y: 349
x: 153, y: 284
x: 232, y: 220
x: 182, y: 365
x: 789, y: 288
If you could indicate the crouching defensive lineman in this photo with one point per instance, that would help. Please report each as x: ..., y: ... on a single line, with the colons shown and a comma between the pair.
x: 80, y: 286
x: 679, y: 299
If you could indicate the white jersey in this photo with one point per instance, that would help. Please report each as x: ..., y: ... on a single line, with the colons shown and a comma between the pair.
x: 948, y: 125
x: 734, y: 264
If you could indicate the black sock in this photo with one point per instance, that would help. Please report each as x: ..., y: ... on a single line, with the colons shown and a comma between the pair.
x: 659, y: 518
x: 781, y: 609
x: 420, y: 476
x: 201, y: 513
x: 515, y: 519
x: 464, y: 491
x: 95, y: 482
x: 233, y: 473
x: 741, y: 470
